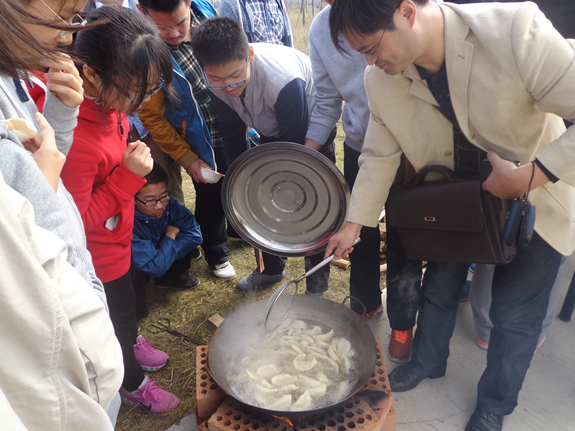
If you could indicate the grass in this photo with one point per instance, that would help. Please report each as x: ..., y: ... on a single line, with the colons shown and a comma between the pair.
x: 189, y: 311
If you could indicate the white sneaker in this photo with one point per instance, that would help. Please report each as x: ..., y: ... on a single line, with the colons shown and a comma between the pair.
x: 224, y: 270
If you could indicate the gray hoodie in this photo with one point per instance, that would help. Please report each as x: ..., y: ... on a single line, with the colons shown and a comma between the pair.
x: 338, y: 77
x: 55, y: 212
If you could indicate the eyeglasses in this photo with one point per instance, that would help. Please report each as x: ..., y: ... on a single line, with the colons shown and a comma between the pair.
x: 77, y: 20
x: 232, y: 86
x: 375, y: 56
x: 153, y: 202
x: 150, y: 93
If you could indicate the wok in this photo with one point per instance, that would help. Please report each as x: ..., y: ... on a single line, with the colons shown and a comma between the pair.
x: 228, y: 342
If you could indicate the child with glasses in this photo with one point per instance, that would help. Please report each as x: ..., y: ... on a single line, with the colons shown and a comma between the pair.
x: 269, y: 88
x: 165, y: 239
x: 122, y: 63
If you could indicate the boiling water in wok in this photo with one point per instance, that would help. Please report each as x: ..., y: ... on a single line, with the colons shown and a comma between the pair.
x: 232, y: 336
x: 300, y: 366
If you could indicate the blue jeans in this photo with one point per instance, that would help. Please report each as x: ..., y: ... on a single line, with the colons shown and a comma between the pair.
x: 520, y: 298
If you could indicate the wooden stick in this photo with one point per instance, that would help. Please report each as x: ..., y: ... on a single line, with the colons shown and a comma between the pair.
x: 259, y: 260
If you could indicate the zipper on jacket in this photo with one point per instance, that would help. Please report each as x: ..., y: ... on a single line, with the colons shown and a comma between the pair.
x: 121, y: 125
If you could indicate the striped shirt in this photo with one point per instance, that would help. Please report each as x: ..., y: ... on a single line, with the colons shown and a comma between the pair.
x: 193, y: 73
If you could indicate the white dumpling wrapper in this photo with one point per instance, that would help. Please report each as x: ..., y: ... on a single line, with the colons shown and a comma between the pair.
x: 318, y: 391
x: 345, y: 364
x: 332, y: 354
x: 303, y: 402
x: 289, y: 388
x: 282, y: 403
x: 267, y: 371
x: 298, y: 324
x: 283, y: 380
x: 265, y: 391
x: 309, y: 382
x: 325, y: 337
x: 302, y: 363
x: 296, y: 348
x: 341, y: 346
x: 316, y: 349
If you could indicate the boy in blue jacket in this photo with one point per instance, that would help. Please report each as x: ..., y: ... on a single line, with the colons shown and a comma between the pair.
x: 165, y: 237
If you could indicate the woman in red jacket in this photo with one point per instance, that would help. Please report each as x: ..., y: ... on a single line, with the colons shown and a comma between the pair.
x: 122, y: 62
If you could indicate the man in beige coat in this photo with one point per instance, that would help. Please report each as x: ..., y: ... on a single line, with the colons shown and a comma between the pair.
x: 507, y: 78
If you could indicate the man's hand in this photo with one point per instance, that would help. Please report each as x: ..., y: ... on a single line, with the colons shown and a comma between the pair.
x: 341, y: 244
x: 64, y: 81
x: 194, y: 170
x: 45, y: 152
x: 310, y: 143
x: 172, y: 232
x: 508, y: 181
x: 137, y: 158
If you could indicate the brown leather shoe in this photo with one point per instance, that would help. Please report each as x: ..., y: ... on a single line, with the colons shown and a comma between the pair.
x: 400, y: 345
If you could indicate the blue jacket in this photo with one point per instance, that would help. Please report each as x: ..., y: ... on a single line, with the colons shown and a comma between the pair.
x: 152, y: 251
x: 185, y: 113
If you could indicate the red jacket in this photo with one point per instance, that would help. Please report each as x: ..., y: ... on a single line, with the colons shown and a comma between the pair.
x: 102, y: 187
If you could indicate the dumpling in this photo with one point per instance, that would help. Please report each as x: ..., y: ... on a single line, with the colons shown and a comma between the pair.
x: 341, y: 346
x: 298, y: 324
x: 302, y: 363
x: 325, y: 337
x: 303, y: 402
x: 309, y: 382
x: 283, y: 380
x: 268, y: 371
x: 318, y: 391
x: 282, y: 403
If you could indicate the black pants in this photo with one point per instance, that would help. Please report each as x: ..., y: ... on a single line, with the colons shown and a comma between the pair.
x: 140, y: 280
x: 210, y: 215
x: 404, y: 291
x: 121, y: 298
x: 364, y: 277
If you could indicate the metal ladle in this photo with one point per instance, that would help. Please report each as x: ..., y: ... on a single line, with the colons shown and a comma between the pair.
x: 276, y: 295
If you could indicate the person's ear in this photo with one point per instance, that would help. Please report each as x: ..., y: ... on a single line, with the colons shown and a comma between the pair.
x: 140, y: 9
x: 251, y: 54
x: 90, y: 75
x: 408, y: 11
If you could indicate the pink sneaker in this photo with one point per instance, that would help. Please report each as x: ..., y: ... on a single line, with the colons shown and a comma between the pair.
x: 151, y: 398
x: 150, y: 359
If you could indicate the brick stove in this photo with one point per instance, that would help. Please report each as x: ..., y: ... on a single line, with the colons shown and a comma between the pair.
x: 369, y: 410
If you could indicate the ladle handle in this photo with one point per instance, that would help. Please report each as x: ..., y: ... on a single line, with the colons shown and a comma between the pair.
x: 321, y: 264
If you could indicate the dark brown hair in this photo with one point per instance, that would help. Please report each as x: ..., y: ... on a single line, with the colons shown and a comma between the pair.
x: 19, y: 50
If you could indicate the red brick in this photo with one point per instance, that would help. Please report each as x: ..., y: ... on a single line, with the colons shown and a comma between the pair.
x: 235, y: 416
x: 208, y: 394
x: 354, y: 414
x: 390, y: 420
x: 378, y: 380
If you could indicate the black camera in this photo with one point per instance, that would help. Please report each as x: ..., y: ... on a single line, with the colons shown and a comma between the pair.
x: 519, y: 224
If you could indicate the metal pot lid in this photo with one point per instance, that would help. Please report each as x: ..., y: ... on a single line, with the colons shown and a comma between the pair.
x: 285, y: 199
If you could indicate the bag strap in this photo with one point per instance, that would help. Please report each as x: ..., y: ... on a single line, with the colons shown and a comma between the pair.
x: 447, y: 173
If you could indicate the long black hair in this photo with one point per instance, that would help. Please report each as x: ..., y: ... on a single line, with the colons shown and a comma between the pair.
x: 124, y: 51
